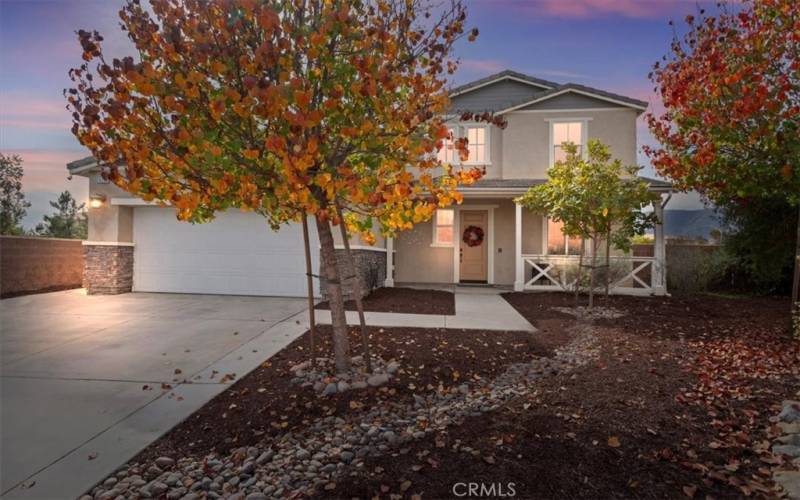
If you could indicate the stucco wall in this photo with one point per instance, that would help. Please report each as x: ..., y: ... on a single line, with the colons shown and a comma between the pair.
x: 416, y: 261
x: 355, y: 240
x: 30, y: 265
x: 109, y: 222
x: 495, y: 169
x: 526, y: 148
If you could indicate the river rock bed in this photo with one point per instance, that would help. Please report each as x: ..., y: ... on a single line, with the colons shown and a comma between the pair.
x: 788, y: 444
x: 311, y: 460
x: 323, y: 379
x: 596, y: 312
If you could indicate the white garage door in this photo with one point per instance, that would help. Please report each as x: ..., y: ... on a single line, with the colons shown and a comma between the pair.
x: 236, y: 254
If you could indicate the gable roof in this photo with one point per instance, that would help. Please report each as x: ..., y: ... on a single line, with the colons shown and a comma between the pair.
x: 503, y: 75
x: 546, y: 90
x: 82, y: 165
x: 602, y: 95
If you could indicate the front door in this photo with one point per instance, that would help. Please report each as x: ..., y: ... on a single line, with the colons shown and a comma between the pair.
x: 473, y: 245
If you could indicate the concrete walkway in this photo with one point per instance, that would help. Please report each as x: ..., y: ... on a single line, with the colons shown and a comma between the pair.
x: 476, y: 309
x: 74, y: 406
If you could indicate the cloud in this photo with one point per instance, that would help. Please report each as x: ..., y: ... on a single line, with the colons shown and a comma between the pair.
x: 44, y: 176
x: 560, y: 74
x: 583, y: 9
x: 20, y: 110
x: 483, y: 65
x: 46, y: 170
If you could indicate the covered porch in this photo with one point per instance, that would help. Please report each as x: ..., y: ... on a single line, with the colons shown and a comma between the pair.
x: 556, y: 266
x: 517, y: 248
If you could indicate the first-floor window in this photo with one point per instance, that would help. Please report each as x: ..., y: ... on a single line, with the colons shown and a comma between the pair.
x: 443, y: 227
x: 558, y: 243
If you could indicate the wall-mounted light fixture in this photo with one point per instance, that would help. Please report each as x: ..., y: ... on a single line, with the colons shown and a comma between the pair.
x: 97, y: 200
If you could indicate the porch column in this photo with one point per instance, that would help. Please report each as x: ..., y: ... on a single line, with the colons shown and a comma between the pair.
x: 389, y: 281
x: 519, y: 267
x: 659, y: 272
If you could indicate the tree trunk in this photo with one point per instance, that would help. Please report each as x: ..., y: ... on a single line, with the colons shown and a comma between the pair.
x: 356, y: 284
x: 594, y: 267
x: 580, y: 271
x: 608, y: 259
x: 310, y: 285
x: 796, y: 282
x: 341, y: 345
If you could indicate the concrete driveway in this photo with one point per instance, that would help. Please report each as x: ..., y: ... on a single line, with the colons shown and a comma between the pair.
x: 74, y: 367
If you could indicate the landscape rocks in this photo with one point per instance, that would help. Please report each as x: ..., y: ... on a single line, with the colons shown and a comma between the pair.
x: 790, y: 412
x: 298, y: 464
x: 320, y: 378
x: 378, y: 379
x: 164, y: 462
x: 596, y: 312
x: 788, y: 444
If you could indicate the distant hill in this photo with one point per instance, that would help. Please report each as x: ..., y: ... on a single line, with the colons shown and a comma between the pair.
x: 690, y: 223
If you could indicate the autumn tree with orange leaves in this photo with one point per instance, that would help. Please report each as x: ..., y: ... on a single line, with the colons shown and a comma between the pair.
x: 731, y: 89
x: 281, y: 107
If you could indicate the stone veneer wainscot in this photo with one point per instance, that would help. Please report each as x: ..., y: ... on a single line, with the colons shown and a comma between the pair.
x: 370, y: 266
x: 108, y: 267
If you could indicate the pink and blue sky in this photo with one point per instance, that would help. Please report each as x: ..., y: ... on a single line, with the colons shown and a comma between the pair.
x: 609, y: 44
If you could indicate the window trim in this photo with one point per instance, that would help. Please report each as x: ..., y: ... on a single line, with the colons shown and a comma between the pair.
x: 435, y: 225
x: 584, y: 135
x: 487, y: 134
x: 546, y: 241
x: 461, y: 131
x: 455, y: 161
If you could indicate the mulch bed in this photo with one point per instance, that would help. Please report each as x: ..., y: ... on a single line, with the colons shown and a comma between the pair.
x: 405, y: 300
x: 265, y: 403
x: 644, y: 421
x: 677, y: 405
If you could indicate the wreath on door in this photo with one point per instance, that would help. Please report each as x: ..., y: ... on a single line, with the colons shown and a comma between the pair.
x: 473, y: 236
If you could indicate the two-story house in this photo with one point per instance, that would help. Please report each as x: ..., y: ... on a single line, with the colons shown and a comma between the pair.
x: 518, y: 248
x: 487, y: 239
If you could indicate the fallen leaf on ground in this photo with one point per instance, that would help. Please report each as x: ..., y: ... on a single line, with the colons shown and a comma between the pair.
x: 613, y: 442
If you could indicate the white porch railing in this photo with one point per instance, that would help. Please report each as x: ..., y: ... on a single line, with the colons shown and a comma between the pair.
x: 629, y: 275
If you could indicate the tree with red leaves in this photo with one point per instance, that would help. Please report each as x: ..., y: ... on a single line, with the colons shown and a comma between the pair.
x: 731, y: 92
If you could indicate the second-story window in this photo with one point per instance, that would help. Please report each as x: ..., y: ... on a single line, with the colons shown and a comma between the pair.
x: 562, y: 132
x: 448, y: 153
x: 477, y: 144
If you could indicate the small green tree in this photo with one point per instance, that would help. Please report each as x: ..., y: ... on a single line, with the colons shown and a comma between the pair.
x: 12, y: 201
x: 596, y: 198
x: 69, y: 221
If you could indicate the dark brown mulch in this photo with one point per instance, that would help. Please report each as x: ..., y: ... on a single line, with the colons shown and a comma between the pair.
x: 265, y: 403
x: 620, y: 427
x: 676, y: 317
x: 405, y: 300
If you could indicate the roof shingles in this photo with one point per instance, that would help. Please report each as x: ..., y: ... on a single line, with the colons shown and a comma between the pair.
x: 548, y: 90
